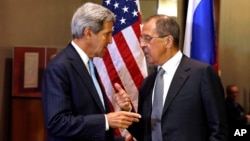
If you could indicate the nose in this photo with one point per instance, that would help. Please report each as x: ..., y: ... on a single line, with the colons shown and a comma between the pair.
x: 110, y: 39
x: 142, y: 43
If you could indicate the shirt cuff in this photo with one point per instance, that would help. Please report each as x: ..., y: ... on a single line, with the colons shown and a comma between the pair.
x: 106, y: 123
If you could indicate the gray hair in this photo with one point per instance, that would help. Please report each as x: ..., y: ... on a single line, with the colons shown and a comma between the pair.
x: 90, y: 15
x: 166, y: 25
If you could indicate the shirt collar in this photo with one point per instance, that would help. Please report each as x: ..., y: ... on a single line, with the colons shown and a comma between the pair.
x: 171, y: 65
x: 82, y: 54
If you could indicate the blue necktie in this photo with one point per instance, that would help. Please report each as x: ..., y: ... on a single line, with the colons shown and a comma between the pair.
x: 157, y: 107
x: 97, y: 86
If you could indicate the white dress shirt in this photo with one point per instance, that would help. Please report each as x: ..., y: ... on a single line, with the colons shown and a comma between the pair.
x: 85, y: 60
x: 170, y: 67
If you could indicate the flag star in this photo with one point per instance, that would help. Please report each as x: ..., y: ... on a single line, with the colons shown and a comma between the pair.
x: 126, y: 13
x: 116, y: 5
x: 135, y: 13
x: 123, y: 21
x: 107, y: 2
x: 125, y: 9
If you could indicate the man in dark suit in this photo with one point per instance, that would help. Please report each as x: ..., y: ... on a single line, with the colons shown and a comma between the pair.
x: 237, y: 118
x: 75, y: 107
x: 192, y: 98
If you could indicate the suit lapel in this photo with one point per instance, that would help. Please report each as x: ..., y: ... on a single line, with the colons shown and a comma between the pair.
x: 180, y: 76
x: 146, y: 94
x: 83, y: 73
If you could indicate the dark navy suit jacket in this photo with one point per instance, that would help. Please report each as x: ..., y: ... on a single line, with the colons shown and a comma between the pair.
x: 71, y: 105
x: 194, y: 109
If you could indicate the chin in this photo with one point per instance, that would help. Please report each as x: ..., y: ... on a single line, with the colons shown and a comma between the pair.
x: 149, y: 60
x: 101, y: 54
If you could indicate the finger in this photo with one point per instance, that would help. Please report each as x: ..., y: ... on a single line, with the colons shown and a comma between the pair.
x: 131, y: 114
x: 127, y: 99
x: 120, y: 90
x: 118, y: 87
x: 125, y: 124
x: 133, y: 119
x: 122, y: 101
x: 129, y: 120
x: 135, y: 115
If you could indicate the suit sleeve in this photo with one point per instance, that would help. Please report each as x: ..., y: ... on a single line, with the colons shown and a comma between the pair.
x: 214, y: 104
x: 141, y: 130
x: 60, y: 118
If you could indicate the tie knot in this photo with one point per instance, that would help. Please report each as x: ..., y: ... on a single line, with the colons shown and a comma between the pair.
x: 91, y: 67
x: 161, y: 71
x: 90, y: 63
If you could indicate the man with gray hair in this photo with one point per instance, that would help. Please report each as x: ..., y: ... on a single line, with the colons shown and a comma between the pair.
x: 74, y: 104
x: 184, y: 99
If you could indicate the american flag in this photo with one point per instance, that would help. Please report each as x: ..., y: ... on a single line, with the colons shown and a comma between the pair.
x: 124, y: 61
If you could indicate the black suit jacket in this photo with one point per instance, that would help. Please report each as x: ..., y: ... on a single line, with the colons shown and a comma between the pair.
x: 194, y: 109
x: 236, y: 114
x: 71, y: 105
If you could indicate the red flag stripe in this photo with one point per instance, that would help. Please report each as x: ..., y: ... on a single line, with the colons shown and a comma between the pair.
x: 128, y: 59
x: 113, y: 76
x: 113, y: 66
x: 137, y: 27
x: 124, y: 61
x: 131, y: 35
x: 122, y: 70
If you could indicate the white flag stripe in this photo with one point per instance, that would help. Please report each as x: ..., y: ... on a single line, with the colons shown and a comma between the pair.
x: 135, y: 48
x: 102, y: 71
x: 123, y: 73
x: 128, y: 61
x: 138, y: 5
x: 188, y: 32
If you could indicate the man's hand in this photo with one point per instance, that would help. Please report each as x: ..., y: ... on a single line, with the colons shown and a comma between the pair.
x: 122, y: 98
x: 122, y: 119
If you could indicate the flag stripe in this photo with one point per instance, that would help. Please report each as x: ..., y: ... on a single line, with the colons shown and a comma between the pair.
x: 115, y: 67
x: 113, y: 75
x: 123, y: 73
x: 105, y: 79
x: 129, y: 59
x: 200, y: 32
x: 132, y: 34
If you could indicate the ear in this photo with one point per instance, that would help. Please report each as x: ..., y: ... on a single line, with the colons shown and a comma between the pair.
x: 87, y: 32
x: 169, y: 41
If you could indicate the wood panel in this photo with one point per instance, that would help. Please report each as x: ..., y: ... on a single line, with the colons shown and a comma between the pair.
x: 27, y: 120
